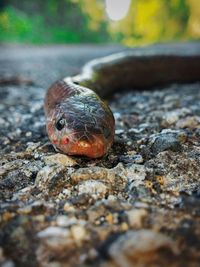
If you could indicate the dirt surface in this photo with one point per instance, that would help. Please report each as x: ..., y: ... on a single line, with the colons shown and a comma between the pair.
x: 137, y: 206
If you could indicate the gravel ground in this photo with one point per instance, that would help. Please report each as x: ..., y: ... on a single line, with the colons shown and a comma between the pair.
x: 137, y: 206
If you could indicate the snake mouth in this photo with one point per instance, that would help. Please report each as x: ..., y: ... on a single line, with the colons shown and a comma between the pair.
x: 94, y: 148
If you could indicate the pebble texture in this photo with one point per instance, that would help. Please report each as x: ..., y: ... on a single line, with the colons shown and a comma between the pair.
x: 137, y: 206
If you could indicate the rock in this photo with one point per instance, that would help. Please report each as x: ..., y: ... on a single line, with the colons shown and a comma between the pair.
x: 181, y: 172
x: 68, y: 207
x: 113, y: 178
x: 31, y: 146
x: 119, y: 131
x: 171, y: 117
x: 131, y: 159
x: 54, y: 232
x: 141, y: 248
x: 95, y: 173
x: 60, y: 159
x: 37, y: 207
x: 62, y: 220
x: 136, y: 174
x: 138, y: 159
x: 95, y: 188
x: 136, y: 217
x: 8, y: 166
x: 78, y: 233
x: 108, y: 178
x: 167, y: 140
x: 54, y: 243
x: 68, y: 221
x: 51, y: 180
x: 59, y: 242
x: 191, y: 122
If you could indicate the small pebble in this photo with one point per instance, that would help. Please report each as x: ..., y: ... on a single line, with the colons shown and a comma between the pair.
x: 78, y: 233
x: 136, y: 217
x: 61, y: 159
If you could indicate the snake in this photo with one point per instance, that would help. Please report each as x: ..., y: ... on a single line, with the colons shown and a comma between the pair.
x: 79, y: 122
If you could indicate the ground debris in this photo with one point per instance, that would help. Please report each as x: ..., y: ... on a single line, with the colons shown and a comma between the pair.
x: 142, y: 248
x: 137, y: 206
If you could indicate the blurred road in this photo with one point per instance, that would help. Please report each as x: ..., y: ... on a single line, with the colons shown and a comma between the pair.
x: 45, y: 64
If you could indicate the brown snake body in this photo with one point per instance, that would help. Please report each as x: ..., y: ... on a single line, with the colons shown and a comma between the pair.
x: 80, y: 123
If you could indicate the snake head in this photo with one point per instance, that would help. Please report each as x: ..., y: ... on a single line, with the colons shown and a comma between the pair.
x: 81, y: 139
x: 78, y: 121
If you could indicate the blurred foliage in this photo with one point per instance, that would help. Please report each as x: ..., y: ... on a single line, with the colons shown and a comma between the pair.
x: 153, y: 21
x: 49, y: 21
x: 75, y: 21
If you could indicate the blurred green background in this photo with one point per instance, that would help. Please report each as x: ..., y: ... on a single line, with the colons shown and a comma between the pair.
x: 86, y: 21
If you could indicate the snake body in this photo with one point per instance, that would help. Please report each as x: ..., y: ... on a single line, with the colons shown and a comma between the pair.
x: 79, y: 122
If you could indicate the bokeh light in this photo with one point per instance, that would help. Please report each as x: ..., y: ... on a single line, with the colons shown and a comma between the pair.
x: 117, y: 10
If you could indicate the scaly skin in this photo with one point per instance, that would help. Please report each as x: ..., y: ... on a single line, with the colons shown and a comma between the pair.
x: 78, y: 121
x: 87, y: 122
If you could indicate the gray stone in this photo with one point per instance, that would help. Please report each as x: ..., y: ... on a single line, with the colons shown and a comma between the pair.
x: 167, y: 140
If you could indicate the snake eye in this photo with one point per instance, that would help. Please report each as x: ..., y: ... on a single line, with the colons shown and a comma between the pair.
x: 60, y: 124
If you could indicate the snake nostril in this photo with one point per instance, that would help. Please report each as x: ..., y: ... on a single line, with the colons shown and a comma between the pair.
x: 65, y: 140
